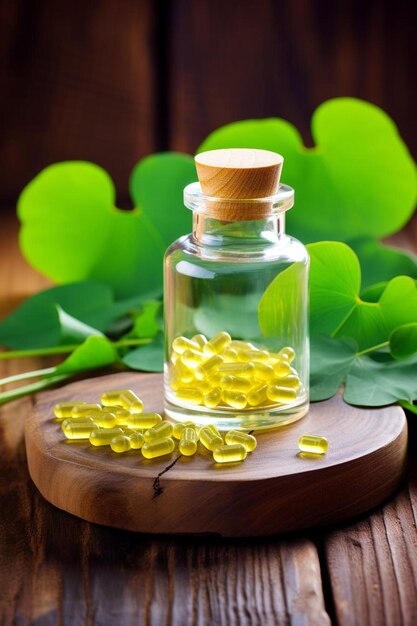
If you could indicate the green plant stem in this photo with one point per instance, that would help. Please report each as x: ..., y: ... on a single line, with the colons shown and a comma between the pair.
x: 14, y: 394
x: 384, y: 344
x: 25, y: 375
x: 20, y: 354
x: 408, y: 405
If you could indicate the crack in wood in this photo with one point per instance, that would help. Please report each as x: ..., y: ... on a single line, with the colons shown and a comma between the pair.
x: 157, y: 489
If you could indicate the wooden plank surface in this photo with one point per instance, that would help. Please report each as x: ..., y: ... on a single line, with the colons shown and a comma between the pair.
x: 373, y: 564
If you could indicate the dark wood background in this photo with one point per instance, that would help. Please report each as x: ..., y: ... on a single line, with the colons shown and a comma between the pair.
x: 113, y: 80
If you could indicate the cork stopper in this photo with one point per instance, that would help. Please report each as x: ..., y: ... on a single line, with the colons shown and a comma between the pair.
x: 240, y: 181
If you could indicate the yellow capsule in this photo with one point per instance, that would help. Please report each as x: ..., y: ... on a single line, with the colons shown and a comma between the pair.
x: 180, y: 344
x: 230, y: 454
x: 129, y: 400
x: 200, y: 340
x: 234, y: 383
x: 174, y: 357
x: 241, y: 345
x: 281, y: 368
x: 210, y: 365
x: 192, y: 358
x: 230, y: 355
x: 78, y: 428
x: 209, y: 439
x: 136, y: 440
x: 217, y: 344
x: 236, y: 436
x: 213, y: 429
x: 122, y: 415
x: 204, y: 386
x: 213, y: 398
x: 235, y: 399
x: 258, y: 395
x: 112, y: 398
x: 103, y: 436
x: 159, y: 432
x: 183, y: 373
x: 63, y: 409
x: 287, y: 353
x: 313, y: 444
x: 291, y: 381
x: 120, y: 443
x: 252, y: 355
x: 179, y: 428
x: 81, y: 410
x: 188, y: 442
x: 104, y: 419
x: 247, y: 370
x: 276, y: 393
x: 188, y: 394
x: 214, y: 378
x: 263, y: 371
x: 158, y: 447
x: 144, y: 420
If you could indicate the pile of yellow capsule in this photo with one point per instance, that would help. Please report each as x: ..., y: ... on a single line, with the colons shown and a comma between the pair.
x: 231, y: 374
x: 119, y: 422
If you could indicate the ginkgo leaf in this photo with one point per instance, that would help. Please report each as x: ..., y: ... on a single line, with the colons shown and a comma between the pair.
x: 403, y: 341
x: 59, y: 315
x: 72, y: 230
x: 336, y: 307
x: 359, y: 179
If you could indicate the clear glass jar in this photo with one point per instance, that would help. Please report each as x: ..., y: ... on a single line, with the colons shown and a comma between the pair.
x: 246, y: 280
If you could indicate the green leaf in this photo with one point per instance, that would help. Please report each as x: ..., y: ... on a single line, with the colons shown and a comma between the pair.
x: 71, y: 229
x: 282, y: 307
x: 374, y: 292
x: 157, y: 184
x: 58, y: 315
x: 150, y: 358
x: 72, y: 330
x: 380, y: 263
x: 147, y: 323
x: 403, y: 341
x: 331, y: 360
x: 370, y: 380
x: 95, y: 352
x: 376, y: 381
x: 335, y: 277
x: 358, y: 181
x: 337, y: 309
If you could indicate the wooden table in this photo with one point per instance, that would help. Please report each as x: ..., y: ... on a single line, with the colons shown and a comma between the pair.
x: 57, y: 569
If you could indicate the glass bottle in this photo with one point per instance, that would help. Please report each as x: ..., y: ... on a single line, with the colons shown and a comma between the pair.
x: 236, y: 326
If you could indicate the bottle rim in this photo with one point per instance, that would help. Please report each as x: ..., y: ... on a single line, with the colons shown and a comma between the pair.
x: 280, y: 202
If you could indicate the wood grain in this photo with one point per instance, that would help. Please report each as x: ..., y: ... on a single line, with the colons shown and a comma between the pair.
x: 238, y: 174
x: 274, y: 491
x: 240, y: 60
x: 77, y: 82
x: 373, y: 564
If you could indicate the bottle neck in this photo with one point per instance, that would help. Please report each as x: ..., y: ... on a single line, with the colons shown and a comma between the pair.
x: 208, y: 231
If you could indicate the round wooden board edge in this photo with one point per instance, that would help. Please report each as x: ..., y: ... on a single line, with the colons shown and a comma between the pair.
x: 235, y: 523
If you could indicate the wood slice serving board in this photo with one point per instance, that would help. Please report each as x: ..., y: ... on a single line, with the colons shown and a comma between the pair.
x: 275, y: 490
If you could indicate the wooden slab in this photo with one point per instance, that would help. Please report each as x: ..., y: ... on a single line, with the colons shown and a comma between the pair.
x: 275, y: 490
